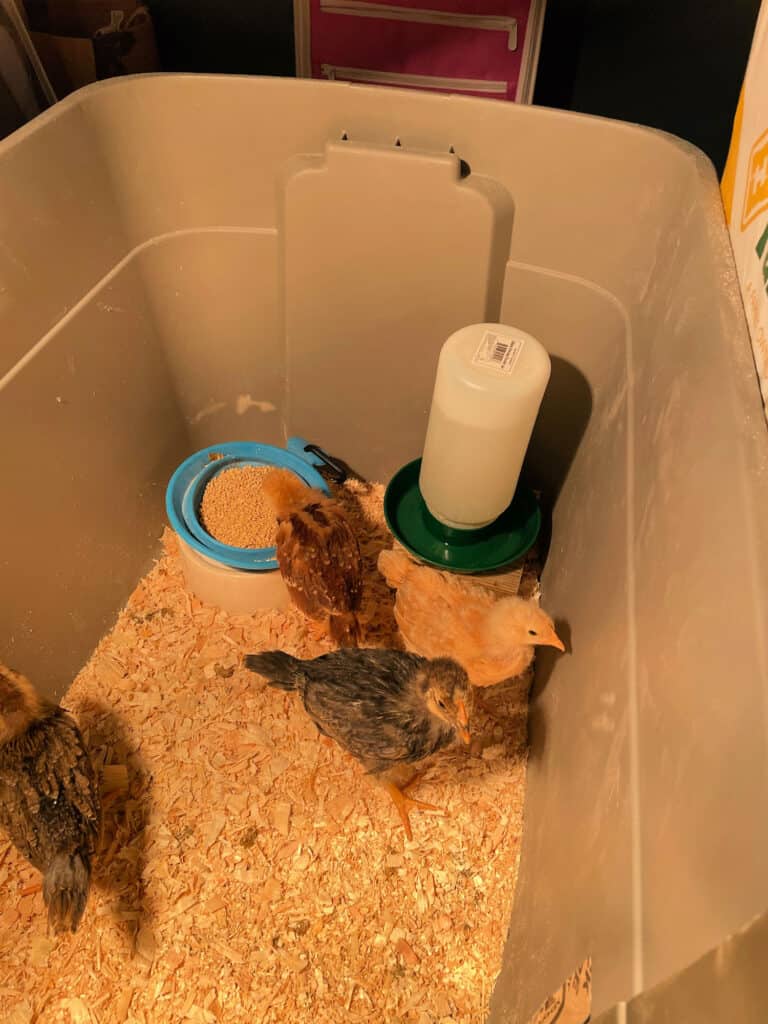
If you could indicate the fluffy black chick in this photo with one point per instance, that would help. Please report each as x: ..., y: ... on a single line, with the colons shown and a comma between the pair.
x: 49, y: 796
x: 387, y: 708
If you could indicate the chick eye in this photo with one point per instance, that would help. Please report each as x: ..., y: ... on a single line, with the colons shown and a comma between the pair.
x: 532, y: 632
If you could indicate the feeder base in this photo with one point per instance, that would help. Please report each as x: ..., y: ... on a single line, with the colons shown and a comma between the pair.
x: 236, y: 591
x: 503, y: 541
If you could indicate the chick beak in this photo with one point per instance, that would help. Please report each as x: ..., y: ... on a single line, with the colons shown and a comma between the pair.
x: 463, y: 719
x: 555, y: 641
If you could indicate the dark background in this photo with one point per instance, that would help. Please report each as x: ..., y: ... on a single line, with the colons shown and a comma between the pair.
x: 671, y: 64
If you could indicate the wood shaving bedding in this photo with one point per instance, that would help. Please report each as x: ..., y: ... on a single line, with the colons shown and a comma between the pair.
x: 251, y: 873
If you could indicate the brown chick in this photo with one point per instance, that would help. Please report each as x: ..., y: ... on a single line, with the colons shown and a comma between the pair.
x: 389, y: 709
x: 441, y: 614
x: 318, y: 555
x: 49, y: 796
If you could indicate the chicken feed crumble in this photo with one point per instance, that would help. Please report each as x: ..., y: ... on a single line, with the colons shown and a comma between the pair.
x: 233, y: 509
x: 251, y: 874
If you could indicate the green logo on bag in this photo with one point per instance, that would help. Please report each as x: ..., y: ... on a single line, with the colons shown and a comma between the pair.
x: 762, y: 251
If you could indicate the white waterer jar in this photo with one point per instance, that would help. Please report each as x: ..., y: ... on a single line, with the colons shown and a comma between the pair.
x: 489, y: 385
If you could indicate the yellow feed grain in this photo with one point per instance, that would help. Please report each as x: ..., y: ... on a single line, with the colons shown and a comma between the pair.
x: 233, y: 509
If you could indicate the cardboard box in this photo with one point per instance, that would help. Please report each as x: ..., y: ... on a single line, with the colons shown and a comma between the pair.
x: 745, y: 196
x: 82, y: 41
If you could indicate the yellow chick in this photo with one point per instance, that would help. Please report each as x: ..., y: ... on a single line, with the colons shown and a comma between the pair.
x: 442, y: 615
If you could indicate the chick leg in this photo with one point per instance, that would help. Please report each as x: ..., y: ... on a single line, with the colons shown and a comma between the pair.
x: 405, y: 803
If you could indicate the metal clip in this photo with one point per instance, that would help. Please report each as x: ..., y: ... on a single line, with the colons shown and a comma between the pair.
x: 337, y: 470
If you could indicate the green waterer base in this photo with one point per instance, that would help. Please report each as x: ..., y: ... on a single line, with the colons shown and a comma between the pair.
x: 503, y: 541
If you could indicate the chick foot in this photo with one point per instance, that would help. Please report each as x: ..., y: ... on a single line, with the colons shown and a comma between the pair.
x: 405, y: 803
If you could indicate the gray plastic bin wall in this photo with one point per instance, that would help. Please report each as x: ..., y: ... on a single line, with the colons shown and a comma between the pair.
x: 139, y: 317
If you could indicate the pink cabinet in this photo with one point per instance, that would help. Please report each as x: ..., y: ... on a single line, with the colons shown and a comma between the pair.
x: 477, y: 47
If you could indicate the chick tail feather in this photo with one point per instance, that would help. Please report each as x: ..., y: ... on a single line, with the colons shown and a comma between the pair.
x: 395, y: 566
x: 279, y: 669
x: 344, y: 629
x: 65, y: 890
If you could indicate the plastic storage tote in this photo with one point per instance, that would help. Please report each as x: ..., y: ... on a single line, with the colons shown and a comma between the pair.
x: 187, y: 260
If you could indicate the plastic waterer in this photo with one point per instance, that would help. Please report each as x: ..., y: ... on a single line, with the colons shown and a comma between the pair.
x: 489, y: 386
x: 459, y: 506
x: 239, y: 580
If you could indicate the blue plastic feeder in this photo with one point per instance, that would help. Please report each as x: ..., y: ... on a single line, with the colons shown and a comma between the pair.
x: 220, y: 573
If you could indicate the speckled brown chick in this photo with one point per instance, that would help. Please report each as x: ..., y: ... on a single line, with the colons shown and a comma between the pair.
x: 318, y: 555
x: 389, y: 709
x: 49, y: 796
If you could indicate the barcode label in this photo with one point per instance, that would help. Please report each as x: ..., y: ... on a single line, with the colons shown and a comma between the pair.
x: 499, y: 351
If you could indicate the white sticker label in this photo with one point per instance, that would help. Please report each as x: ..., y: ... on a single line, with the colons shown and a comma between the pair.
x: 498, y: 351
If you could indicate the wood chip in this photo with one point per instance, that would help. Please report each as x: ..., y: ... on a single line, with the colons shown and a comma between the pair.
x: 146, y: 945
x: 39, y: 950
x: 22, y: 1013
x: 78, y: 1011
x: 281, y: 816
x: 213, y: 830
x: 123, y: 1005
x: 405, y: 950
